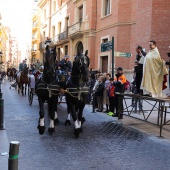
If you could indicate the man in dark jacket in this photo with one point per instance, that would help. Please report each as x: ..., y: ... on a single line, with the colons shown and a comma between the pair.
x: 139, y: 68
x: 65, y: 64
x: 119, y: 83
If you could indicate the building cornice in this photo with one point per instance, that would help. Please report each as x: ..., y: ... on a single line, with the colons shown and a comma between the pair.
x: 116, y: 24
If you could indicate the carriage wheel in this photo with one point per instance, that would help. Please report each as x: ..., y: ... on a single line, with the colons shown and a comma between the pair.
x: 30, y: 97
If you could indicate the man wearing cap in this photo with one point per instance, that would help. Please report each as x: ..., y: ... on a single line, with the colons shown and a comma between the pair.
x: 119, y: 83
x: 65, y: 64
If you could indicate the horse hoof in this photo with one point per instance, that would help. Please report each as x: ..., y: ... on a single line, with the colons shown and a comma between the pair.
x: 67, y: 122
x: 56, y: 122
x: 77, y: 132
x: 41, y: 129
x: 51, y: 130
x: 82, y: 120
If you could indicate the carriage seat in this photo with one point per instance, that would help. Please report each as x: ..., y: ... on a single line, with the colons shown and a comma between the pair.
x: 62, y: 77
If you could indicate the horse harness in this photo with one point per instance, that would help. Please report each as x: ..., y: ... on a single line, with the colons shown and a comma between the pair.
x: 76, y: 90
x: 50, y: 87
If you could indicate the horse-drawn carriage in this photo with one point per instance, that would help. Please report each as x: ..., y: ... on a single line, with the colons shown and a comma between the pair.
x: 51, y: 84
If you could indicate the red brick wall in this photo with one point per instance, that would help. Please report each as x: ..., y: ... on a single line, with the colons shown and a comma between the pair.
x: 148, y: 20
x: 161, y: 26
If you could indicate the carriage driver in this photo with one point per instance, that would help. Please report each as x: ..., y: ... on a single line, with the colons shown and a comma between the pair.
x: 65, y: 65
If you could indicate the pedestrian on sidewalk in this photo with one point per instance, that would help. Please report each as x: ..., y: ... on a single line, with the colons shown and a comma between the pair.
x: 111, y: 94
x: 139, y: 68
x: 119, y: 83
x: 105, y: 92
x: 99, y: 94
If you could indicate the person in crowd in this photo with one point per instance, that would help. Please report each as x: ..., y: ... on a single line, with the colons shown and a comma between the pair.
x: 31, y: 80
x: 95, y: 87
x: 65, y: 65
x: 154, y: 72
x: 99, y: 94
x: 139, y: 68
x: 119, y: 83
x: 22, y: 65
x: 32, y: 67
x: 38, y: 64
x: 105, y: 92
x: 111, y: 94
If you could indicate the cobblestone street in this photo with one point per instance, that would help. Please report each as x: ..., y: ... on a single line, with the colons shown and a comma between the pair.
x: 105, y: 143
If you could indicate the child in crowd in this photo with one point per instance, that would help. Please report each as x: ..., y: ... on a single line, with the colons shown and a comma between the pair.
x: 111, y: 93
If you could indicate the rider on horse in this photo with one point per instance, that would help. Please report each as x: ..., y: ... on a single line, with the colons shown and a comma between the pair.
x: 21, y: 68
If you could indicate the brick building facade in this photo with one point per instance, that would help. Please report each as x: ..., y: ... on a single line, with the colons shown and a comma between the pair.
x: 86, y: 24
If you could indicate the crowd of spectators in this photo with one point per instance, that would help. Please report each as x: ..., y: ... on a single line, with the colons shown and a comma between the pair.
x: 104, y: 88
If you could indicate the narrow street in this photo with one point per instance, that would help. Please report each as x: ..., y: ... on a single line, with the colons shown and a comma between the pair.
x: 105, y: 143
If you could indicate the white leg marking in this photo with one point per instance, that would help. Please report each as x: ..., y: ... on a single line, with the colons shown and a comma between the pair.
x: 76, y: 125
x: 55, y: 116
x: 51, y: 123
x: 42, y: 122
x: 68, y: 116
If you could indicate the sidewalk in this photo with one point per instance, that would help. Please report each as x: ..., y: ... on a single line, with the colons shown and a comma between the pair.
x: 4, y: 147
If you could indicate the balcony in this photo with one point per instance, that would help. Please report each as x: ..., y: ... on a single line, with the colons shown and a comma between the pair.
x: 75, y: 29
x: 63, y: 35
x: 55, y: 39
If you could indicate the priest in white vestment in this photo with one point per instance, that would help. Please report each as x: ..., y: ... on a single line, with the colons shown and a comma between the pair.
x: 154, y: 72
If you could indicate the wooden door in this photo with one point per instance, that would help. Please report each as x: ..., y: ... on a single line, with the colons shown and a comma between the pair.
x: 104, y: 64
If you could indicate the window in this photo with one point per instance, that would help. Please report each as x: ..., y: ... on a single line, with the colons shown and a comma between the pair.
x: 44, y: 35
x: 60, y: 3
x: 81, y: 13
x: 105, y: 40
x: 53, y: 31
x: 45, y: 14
x: 59, y: 27
x: 106, y: 7
x: 67, y: 22
x: 58, y: 54
x: 54, y: 6
x: 66, y: 50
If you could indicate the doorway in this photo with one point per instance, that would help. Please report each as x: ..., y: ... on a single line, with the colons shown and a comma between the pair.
x: 104, y: 64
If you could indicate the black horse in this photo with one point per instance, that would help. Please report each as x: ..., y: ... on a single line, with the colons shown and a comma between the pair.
x: 77, y: 91
x: 47, y: 89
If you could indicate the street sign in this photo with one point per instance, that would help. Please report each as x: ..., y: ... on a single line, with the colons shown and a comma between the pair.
x: 122, y: 54
x: 106, y: 46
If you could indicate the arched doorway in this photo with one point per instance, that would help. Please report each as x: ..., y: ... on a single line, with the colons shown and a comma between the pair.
x: 79, y: 46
